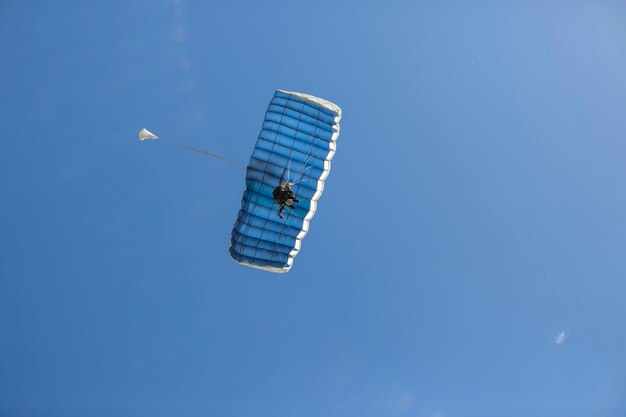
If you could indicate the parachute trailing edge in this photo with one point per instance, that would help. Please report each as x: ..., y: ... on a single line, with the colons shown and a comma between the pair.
x: 296, y: 144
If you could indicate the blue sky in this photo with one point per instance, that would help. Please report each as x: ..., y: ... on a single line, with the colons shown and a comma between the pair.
x: 467, y: 258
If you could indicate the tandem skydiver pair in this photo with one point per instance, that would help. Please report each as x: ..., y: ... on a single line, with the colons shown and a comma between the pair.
x: 284, y: 196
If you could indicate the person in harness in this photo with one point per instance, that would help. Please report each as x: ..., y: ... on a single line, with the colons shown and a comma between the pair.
x: 284, y: 196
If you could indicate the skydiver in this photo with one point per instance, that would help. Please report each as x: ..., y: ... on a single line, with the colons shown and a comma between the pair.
x: 284, y: 196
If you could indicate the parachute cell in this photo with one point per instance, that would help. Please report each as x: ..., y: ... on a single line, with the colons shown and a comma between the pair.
x: 296, y: 144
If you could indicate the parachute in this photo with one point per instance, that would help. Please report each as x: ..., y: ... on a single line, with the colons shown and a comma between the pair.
x: 146, y: 134
x: 296, y: 143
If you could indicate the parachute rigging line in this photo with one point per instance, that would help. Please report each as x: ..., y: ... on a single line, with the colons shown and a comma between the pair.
x: 146, y: 134
x: 191, y: 148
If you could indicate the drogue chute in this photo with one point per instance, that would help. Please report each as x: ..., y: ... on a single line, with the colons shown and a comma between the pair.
x: 146, y: 134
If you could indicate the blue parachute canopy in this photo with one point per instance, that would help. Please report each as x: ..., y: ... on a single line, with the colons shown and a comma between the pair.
x: 296, y: 144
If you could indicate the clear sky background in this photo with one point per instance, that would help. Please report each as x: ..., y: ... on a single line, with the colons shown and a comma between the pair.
x: 468, y: 255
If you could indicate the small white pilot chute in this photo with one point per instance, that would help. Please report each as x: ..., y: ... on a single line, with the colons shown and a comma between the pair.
x: 146, y: 134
